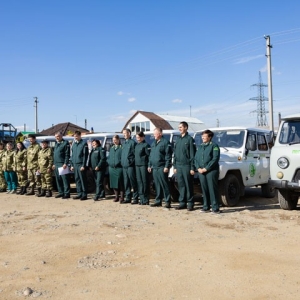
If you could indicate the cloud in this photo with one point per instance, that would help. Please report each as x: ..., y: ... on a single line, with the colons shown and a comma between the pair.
x: 177, y: 101
x: 132, y: 99
x: 244, y: 60
x: 120, y: 93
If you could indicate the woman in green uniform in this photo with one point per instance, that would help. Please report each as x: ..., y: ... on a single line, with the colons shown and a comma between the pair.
x: 116, y: 170
x: 142, y: 152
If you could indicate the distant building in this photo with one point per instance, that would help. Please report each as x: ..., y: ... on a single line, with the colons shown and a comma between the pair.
x: 65, y: 128
x: 147, y: 121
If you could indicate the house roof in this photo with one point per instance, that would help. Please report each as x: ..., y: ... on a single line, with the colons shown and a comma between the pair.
x: 65, y: 128
x: 154, y: 118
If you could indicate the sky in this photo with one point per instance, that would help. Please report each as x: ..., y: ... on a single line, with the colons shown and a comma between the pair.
x: 97, y: 62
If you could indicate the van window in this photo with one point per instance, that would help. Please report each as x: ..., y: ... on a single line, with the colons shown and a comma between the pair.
x: 261, y: 142
x: 290, y: 132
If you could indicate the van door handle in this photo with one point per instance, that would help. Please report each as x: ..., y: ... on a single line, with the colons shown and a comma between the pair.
x: 258, y: 157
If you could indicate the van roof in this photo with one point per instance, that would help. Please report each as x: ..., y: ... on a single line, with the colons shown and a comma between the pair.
x: 236, y: 128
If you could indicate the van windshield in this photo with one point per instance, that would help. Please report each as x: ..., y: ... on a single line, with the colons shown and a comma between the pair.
x: 290, y: 132
x: 225, y: 138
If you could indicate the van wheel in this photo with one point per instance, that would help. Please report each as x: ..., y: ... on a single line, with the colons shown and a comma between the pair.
x: 174, y: 189
x: 287, y: 200
x: 91, y: 185
x: 267, y: 191
x: 230, y: 190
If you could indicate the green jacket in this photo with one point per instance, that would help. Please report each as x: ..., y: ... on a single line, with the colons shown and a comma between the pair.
x: 20, y: 159
x: 80, y: 153
x: 45, y: 159
x: 98, y: 158
x: 8, y: 160
x: 127, y: 159
x: 207, y: 156
x: 61, y: 153
x: 32, y: 156
x: 114, y: 158
x: 161, y: 154
x: 142, y: 152
x: 184, y: 151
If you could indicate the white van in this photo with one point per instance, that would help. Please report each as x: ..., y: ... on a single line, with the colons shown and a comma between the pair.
x: 285, y: 162
x: 244, y: 161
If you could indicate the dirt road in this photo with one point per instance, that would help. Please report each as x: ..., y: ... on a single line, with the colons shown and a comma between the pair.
x: 68, y: 249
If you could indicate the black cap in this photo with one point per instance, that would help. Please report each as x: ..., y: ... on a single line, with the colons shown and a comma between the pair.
x: 45, y: 141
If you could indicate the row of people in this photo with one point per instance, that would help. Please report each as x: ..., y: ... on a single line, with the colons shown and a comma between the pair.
x: 130, y: 166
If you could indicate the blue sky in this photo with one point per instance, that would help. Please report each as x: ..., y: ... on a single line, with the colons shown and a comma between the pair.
x: 103, y: 60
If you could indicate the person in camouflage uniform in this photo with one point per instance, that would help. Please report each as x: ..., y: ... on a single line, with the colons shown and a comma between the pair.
x: 2, y: 179
x: 20, y: 167
x: 34, y: 180
x: 8, y: 168
x: 45, y: 160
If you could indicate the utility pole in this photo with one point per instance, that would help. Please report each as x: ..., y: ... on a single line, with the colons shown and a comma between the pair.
x: 36, y: 114
x: 218, y: 123
x: 268, y: 55
x: 190, y: 110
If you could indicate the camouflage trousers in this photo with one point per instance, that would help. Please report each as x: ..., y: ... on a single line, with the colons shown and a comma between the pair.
x: 46, y: 179
x: 2, y: 180
x: 33, y: 180
x: 22, y: 177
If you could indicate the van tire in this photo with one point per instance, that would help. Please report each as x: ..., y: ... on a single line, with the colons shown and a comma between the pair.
x: 268, y: 191
x: 230, y: 190
x: 287, y: 200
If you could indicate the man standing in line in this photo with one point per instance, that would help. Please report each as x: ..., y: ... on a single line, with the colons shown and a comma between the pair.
x: 79, y: 159
x: 160, y: 162
x: 61, y: 157
x: 128, y: 165
x: 184, y: 153
x: 34, y: 178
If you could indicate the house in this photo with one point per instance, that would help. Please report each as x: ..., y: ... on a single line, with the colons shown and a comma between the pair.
x: 65, y: 128
x: 147, y: 121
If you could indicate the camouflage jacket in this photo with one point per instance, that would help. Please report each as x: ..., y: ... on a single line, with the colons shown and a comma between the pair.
x: 20, y: 160
x: 8, y: 160
x: 45, y: 159
x: 1, y: 157
x: 32, y: 156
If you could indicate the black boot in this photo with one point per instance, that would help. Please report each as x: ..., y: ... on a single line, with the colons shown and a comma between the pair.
x: 48, y: 193
x: 30, y: 191
x: 23, y: 190
x: 38, y: 192
x: 19, y: 191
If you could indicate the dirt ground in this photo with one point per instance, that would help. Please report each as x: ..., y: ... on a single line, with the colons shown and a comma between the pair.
x: 69, y: 249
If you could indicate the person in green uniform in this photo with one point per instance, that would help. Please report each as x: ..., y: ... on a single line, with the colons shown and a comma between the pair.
x: 33, y: 177
x: 207, y: 163
x: 116, y: 170
x: 79, y: 158
x: 61, y: 159
x: 45, y: 160
x: 10, y: 175
x: 142, y: 152
x: 184, y: 153
x: 128, y: 164
x: 2, y: 179
x: 97, y: 164
x: 20, y: 167
x: 160, y: 162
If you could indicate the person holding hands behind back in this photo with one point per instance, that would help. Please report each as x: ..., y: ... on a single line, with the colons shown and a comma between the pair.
x: 207, y: 163
x: 97, y: 164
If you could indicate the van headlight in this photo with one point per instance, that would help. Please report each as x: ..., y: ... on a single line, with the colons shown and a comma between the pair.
x: 282, y: 162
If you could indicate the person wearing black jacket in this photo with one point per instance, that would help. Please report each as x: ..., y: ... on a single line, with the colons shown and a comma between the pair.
x: 79, y: 157
x: 97, y: 164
